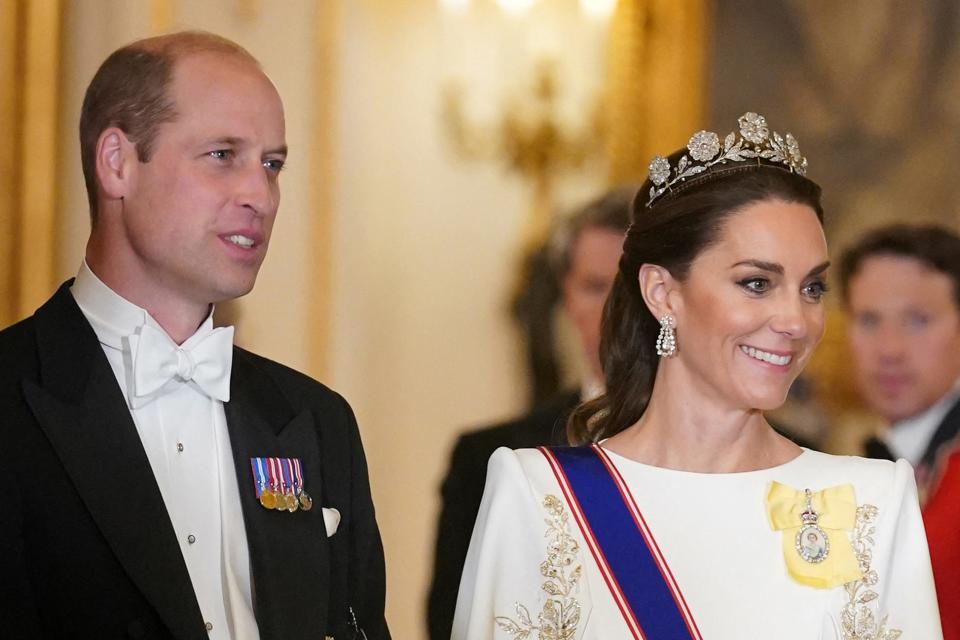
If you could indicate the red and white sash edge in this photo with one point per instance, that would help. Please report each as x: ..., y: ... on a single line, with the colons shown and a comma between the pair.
x: 598, y: 555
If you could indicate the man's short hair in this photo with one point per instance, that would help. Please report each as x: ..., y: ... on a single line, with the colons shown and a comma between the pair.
x: 933, y: 245
x: 610, y: 211
x: 131, y: 91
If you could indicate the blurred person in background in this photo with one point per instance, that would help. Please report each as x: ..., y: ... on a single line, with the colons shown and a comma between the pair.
x: 901, y: 287
x: 583, y: 252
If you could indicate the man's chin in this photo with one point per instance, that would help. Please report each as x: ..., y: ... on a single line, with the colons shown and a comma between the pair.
x: 899, y: 412
x: 231, y: 291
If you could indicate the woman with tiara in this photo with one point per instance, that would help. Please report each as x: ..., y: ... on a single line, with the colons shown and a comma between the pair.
x: 683, y: 514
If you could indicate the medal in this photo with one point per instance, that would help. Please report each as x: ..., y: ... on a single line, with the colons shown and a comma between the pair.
x: 279, y: 488
x: 268, y: 499
x: 278, y: 484
x: 811, y: 542
x: 306, y: 502
x: 281, y: 504
x: 288, y: 500
x: 263, y: 483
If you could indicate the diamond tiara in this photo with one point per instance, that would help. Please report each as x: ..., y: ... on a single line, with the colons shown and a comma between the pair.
x: 754, y: 141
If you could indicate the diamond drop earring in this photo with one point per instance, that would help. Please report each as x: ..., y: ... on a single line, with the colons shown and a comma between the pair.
x: 667, y: 340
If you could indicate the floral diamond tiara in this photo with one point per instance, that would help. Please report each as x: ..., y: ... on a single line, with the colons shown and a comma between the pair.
x: 753, y: 142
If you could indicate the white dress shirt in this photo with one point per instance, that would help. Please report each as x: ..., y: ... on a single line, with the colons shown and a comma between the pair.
x: 184, y: 433
x: 909, y: 438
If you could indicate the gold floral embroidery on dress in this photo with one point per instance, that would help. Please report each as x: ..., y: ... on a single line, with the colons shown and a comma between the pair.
x: 560, y: 616
x: 858, y: 620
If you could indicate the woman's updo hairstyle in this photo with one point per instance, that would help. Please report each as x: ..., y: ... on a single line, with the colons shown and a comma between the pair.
x: 678, y: 213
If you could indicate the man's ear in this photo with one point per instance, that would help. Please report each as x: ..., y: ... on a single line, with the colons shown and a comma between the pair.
x: 114, y: 157
x: 658, y: 287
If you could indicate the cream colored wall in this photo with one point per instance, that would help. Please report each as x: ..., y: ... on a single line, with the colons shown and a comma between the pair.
x: 423, y: 246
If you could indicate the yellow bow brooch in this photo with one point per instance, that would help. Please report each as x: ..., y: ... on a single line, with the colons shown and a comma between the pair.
x: 816, y: 546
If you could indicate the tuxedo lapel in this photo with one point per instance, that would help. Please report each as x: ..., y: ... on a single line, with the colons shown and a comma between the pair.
x: 947, y: 431
x: 874, y: 447
x: 289, y: 552
x: 81, y: 409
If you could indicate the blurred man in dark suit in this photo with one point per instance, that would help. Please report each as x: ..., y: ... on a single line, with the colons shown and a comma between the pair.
x: 585, y: 252
x: 901, y: 286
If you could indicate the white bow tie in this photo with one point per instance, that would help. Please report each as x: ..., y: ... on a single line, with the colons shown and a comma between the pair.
x: 157, y: 361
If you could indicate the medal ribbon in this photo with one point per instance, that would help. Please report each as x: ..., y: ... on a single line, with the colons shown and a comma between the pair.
x: 298, y: 472
x: 288, y: 473
x: 281, y: 475
x: 836, y: 509
x: 285, y: 487
x: 260, y: 479
x: 622, y: 545
x: 274, y: 476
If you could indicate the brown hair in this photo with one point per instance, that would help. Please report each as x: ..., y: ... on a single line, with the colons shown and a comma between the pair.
x: 670, y: 233
x: 131, y: 91
x: 933, y: 245
x: 611, y: 211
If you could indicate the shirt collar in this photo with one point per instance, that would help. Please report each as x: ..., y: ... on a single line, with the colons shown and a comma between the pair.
x: 112, y: 316
x: 909, y: 438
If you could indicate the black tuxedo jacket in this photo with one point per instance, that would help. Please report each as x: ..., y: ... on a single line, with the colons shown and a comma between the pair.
x: 87, y: 549
x: 463, y: 488
x: 946, y: 433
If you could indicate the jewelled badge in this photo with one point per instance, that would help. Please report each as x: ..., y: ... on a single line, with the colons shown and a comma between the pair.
x: 811, y: 542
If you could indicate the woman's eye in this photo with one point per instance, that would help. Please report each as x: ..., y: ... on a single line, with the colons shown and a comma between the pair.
x: 815, y: 290
x: 755, y: 285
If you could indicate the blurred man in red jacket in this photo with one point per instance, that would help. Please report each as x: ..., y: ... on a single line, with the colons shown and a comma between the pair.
x: 901, y: 286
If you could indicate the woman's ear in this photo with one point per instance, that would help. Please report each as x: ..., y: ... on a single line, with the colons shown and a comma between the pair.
x: 657, y: 286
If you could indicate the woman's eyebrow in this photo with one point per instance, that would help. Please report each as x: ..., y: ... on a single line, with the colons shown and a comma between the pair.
x: 760, y: 264
x: 817, y: 270
x: 778, y: 268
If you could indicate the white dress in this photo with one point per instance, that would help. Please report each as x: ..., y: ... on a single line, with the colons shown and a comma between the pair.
x: 716, y: 538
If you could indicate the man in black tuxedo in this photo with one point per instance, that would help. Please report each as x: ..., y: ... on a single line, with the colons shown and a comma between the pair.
x: 585, y: 253
x: 901, y: 287
x: 146, y: 459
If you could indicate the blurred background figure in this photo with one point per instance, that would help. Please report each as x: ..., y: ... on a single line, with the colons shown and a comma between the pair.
x: 901, y: 286
x: 583, y: 254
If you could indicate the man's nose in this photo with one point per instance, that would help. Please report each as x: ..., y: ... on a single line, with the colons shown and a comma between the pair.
x: 257, y: 191
x: 892, y: 343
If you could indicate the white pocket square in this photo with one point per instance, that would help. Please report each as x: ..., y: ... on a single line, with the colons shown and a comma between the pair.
x: 331, y: 519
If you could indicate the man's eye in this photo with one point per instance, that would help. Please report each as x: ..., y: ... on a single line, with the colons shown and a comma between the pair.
x: 917, y: 321
x: 274, y: 165
x: 755, y: 285
x: 221, y: 154
x: 866, y: 320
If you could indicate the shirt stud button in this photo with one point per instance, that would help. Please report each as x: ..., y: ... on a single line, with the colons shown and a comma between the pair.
x: 191, y: 538
x: 209, y: 626
x: 180, y: 447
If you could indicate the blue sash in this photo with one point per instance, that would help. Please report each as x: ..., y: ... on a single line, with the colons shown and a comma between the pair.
x: 626, y: 553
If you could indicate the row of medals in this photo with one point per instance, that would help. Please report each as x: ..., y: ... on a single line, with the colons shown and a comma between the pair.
x: 285, y: 499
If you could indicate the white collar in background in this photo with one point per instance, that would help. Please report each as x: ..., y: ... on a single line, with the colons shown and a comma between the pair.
x: 909, y: 438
